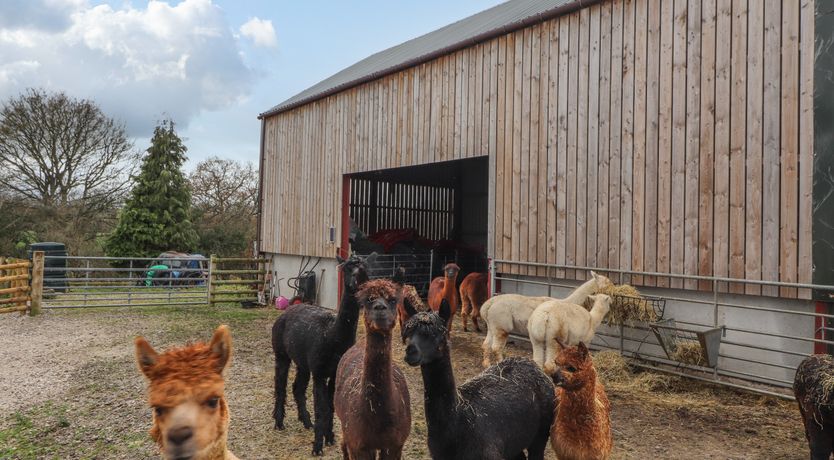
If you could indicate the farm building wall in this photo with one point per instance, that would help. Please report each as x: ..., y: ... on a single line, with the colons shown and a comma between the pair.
x: 646, y: 135
x: 285, y: 266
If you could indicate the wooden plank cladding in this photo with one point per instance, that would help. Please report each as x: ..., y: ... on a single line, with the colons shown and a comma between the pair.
x: 668, y: 136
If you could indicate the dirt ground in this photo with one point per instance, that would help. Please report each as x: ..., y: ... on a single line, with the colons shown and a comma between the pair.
x: 70, y: 390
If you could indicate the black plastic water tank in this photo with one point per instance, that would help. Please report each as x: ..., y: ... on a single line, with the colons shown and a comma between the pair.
x: 52, y: 279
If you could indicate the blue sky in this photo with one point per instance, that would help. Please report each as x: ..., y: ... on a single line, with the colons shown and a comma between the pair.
x: 211, y: 65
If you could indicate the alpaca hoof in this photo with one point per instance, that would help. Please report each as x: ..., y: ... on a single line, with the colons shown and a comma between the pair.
x: 279, y: 426
x: 318, y: 451
x: 307, y: 424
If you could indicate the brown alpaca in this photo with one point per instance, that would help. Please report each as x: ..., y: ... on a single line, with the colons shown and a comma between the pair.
x: 411, y: 298
x: 371, y: 398
x: 445, y: 287
x: 582, y: 429
x: 473, y: 294
x: 186, y: 392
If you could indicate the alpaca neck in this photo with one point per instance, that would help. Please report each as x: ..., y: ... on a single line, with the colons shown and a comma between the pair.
x: 376, y: 373
x: 440, y: 395
x: 580, y: 294
x: 449, y: 286
x: 597, y: 315
x: 347, y: 317
x: 578, y: 407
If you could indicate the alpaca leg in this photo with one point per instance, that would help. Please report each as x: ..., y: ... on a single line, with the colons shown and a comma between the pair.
x: 464, y: 311
x: 475, y: 314
x: 819, y: 441
x: 282, y: 370
x: 499, y: 341
x: 345, y: 453
x: 551, y: 349
x: 391, y: 454
x: 487, y: 347
x: 329, y: 437
x: 299, y: 392
x: 538, y: 350
x: 322, y: 409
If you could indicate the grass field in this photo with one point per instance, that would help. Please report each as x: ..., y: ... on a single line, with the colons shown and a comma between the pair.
x: 72, y: 391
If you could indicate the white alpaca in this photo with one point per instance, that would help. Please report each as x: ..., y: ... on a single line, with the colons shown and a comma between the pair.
x: 510, y: 313
x: 556, y: 324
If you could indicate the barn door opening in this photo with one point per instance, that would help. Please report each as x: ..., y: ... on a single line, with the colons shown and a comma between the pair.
x: 421, y: 218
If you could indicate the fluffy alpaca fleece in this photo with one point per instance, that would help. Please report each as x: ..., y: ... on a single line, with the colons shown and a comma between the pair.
x: 371, y: 398
x: 510, y: 313
x: 813, y: 388
x: 582, y: 430
x: 412, y: 299
x: 186, y: 391
x: 473, y: 294
x: 556, y: 322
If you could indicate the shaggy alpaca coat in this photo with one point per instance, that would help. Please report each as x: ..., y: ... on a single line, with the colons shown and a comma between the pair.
x: 556, y: 322
x: 372, y: 400
x: 582, y: 430
x: 473, y: 294
x: 315, y: 339
x: 186, y: 390
x: 507, y: 409
x: 510, y: 313
x: 816, y: 403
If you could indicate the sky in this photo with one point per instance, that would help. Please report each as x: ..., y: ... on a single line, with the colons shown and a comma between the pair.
x: 210, y: 65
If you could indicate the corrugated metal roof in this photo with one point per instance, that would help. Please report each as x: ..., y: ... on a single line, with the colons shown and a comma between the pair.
x: 494, y: 21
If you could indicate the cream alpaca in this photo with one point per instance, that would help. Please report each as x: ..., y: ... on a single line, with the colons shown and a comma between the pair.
x: 559, y: 322
x: 510, y: 313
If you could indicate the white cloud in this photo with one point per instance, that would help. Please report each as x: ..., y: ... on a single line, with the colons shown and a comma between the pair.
x: 137, y: 63
x: 259, y: 31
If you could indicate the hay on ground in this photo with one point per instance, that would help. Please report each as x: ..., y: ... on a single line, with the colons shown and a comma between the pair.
x: 614, y: 371
x: 628, y: 306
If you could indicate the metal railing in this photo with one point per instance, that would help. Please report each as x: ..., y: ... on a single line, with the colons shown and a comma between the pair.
x: 764, y: 338
x: 418, y: 271
x: 78, y: 282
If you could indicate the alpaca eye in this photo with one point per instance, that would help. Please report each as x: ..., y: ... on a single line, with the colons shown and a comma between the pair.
x: 159, y: 411
x: 212, y: 403
x: 570, y: 369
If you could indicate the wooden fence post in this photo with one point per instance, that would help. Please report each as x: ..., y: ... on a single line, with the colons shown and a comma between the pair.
x: 36, y: 286
x: 212, y: 267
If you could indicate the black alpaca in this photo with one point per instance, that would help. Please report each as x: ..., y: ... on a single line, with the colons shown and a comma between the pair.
x: 498, y: 414
x: 812, y: 390
x: 315, y: 339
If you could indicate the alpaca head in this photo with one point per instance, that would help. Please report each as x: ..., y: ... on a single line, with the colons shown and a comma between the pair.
x: 600, y: 303
x: 186, y: 392
x: 450, y: 271
x: 410, y: 304
x: 425, y: 335
x: 602, y: 282
x: 355, y: 270
x: 378, y: 299
x: 574, y: 368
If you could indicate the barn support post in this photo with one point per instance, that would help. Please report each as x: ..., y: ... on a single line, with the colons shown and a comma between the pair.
x: 37, y: 283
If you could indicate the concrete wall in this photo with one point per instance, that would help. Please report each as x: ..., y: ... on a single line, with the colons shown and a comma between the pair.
x: 777, y: 367
x: 327, y: 279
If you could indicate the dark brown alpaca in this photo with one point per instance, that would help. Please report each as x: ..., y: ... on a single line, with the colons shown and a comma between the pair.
x: 812, y: 390
x: 582, y: 429
x: 473, y: 294
x: 371, y: 398
x: 445, y: 287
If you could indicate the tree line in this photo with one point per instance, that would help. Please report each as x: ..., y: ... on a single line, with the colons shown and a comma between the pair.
x: 69, y: 173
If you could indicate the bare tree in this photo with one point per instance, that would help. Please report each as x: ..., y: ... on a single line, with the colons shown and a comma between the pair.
x: 224, y: 189
x: 58, y: 151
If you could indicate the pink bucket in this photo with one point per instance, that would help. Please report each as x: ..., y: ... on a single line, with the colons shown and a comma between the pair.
x: 281, y: 303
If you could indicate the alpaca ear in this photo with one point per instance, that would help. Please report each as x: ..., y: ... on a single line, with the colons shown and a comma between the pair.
x: 339, y: 259
x: 146, y: 356
x: 561, y: 344
x: 583, y: 349
x: 445, y: 310
x: 594, y: 275
x: 221, y: 345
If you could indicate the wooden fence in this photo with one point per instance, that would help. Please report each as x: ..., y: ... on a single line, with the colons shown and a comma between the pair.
x: 20, y: 288
x: 235, y: 279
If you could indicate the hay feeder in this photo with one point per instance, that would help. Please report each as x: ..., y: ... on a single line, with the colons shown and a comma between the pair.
x: 631, y: 303
x: 687, y: 345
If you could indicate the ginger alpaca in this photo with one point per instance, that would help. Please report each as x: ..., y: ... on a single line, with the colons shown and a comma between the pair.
x: 498, y: 414
x: 473, y: 294
x: 510, y: 312
x: 315, y: 339
x: 186, y: 391
x: 556, y: 322
x: 372, y: 399
x: 445, y: 287
x: 582, y: 430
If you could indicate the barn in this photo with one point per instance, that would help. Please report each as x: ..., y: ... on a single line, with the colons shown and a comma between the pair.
x: 681, y: 146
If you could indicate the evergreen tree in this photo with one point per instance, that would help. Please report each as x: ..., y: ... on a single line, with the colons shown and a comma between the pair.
x: 157, y: 216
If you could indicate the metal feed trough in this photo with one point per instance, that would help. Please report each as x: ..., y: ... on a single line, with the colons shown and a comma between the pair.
x: 671, y: 337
